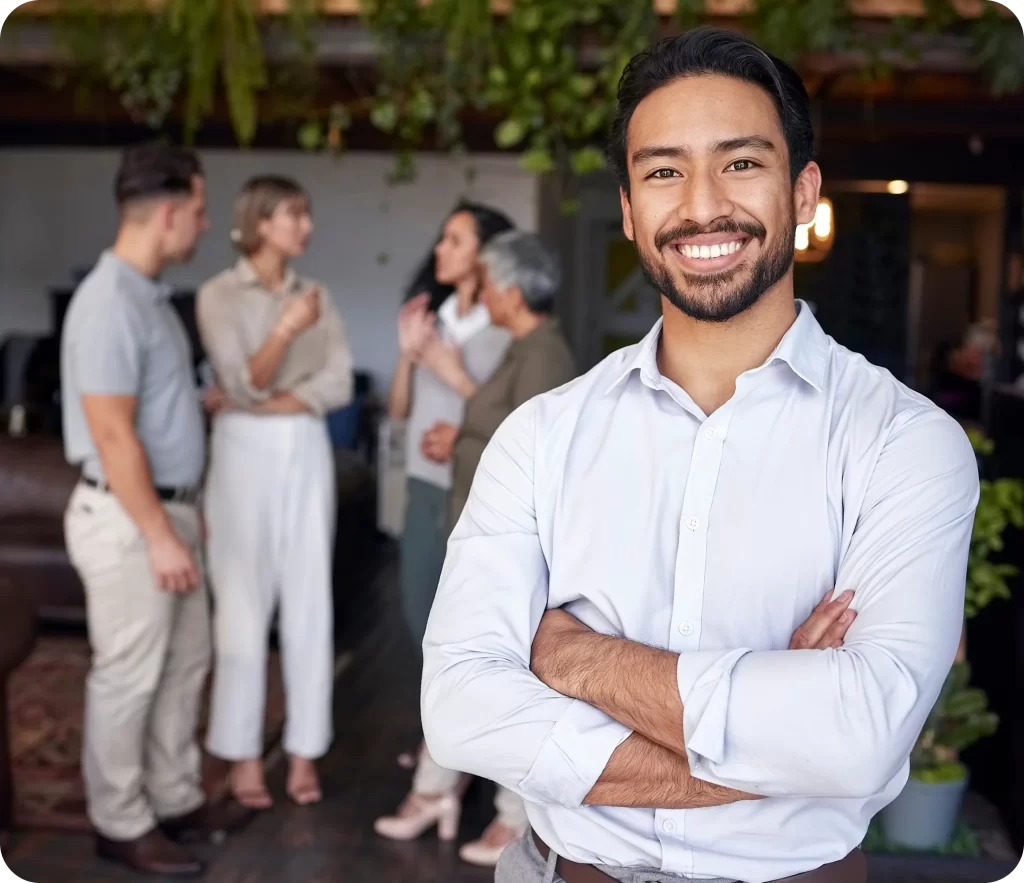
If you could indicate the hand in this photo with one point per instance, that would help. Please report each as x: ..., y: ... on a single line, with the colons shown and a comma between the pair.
x: 827, y: 625
x: 556, y: 629
x: 443, y: 359
x: 438, y: 441
x: 415, y: 326
x: 216, y: 400
x: 173, y: 566
x: 300, y: 312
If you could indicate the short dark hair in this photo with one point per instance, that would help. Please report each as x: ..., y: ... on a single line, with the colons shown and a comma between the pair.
x: 706, y: 51
x: 153, y: 170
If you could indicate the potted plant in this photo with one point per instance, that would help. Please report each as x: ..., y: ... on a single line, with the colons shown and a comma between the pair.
x: 925, y: 813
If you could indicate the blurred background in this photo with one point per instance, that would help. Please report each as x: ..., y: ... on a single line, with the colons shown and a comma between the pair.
x: 388, y: 112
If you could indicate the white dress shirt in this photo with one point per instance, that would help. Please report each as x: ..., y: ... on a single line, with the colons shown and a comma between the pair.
x: 616, y: 498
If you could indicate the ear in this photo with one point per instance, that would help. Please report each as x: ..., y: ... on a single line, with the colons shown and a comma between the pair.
x: 806, y: 193
x: 627, y: 214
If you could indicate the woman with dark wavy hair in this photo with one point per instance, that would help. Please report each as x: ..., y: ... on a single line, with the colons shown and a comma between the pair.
x: 441, y: 307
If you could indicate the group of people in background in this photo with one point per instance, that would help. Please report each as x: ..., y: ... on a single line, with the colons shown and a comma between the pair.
x: 476, y: 340
x: 245, y: 493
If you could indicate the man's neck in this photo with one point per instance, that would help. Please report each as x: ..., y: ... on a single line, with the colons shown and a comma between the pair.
x: 705, y: 358
x: 138, y: 252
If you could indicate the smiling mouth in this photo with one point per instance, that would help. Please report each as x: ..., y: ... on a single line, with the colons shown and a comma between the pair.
x: 700, y: 252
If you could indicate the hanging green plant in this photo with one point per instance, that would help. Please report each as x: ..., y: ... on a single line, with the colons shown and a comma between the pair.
x: 548, y: 70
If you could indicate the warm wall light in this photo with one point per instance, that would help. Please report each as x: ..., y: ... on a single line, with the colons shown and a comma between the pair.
x: 814, y: 240
x: 823, y: 220
x: 803, y: 237
x: 898, y: 188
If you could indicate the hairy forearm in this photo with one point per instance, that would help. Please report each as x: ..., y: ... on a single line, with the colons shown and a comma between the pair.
x: 400, y: 395
x: 127, y: 472
x: 266, y: 361
x: 641, y: 773
x: 631, y: 682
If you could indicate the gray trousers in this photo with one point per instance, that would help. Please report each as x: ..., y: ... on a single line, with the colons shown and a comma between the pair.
x: 421, y: 552
x: 522, y: 863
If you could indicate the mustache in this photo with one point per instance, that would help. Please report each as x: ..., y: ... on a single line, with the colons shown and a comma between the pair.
x: 726, y: 225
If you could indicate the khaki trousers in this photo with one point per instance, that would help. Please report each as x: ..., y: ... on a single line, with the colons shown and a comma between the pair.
x: 150, y: 657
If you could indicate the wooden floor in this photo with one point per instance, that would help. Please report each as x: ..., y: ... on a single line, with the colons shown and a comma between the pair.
x: 376, y: 717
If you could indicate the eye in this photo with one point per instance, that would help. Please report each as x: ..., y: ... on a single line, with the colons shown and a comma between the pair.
x: 663, y: 174
x: 742, y: 165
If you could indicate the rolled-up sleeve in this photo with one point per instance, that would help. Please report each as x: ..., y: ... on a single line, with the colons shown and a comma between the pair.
x: 217, y: 318
x: 331, y: 386
x: 842, y: 722
x: 484, y: 712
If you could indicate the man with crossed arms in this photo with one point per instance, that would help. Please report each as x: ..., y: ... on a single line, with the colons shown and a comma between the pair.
x: 613, y: 635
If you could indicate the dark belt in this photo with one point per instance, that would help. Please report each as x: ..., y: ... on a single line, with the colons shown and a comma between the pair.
x: 852, y: 869
x: 185, y: 495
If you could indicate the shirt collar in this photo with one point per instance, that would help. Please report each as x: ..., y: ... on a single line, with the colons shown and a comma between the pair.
x: 247, y: 275
x: 153, y: 287
x: 804, y: 347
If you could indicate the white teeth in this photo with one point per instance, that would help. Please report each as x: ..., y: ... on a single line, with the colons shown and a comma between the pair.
x: 707, y: 252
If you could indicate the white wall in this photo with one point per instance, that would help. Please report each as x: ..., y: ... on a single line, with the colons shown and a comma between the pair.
x: 57, y: 214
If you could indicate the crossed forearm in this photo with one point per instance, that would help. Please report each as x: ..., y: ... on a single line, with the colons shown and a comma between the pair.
x: 641, y: 773
x: 636, y: 685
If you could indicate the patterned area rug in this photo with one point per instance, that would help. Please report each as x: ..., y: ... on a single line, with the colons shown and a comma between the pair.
x: 45, y: 700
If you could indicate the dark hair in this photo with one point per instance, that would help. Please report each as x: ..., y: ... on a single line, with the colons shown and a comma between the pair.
x: 489, y: 223
x: 153, y: 170
x: 707, y: 51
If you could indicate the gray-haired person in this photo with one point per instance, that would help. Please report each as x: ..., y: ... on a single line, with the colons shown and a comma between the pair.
x: 520, y: 278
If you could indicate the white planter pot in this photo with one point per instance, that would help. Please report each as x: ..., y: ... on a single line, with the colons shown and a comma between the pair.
x: 925, y: 814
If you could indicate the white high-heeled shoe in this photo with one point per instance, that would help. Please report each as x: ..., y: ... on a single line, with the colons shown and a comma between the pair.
x: 486, y: 851
x: 444, y: 810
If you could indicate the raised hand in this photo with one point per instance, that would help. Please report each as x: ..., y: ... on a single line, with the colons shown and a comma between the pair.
x: 415, y: 326
x: 301, y: 312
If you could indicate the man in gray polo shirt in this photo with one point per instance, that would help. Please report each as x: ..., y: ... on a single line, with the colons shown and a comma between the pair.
x: 133, y: 422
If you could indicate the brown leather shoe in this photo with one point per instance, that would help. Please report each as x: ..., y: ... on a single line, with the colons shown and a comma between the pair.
x: 151, y: 853
x: 210, y: 822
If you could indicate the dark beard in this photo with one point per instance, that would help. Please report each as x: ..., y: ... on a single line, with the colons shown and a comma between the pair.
x: 771, y: 266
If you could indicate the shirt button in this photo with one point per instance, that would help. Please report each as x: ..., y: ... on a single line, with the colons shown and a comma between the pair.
x: 685, y: 628
x: 710, y: 432
x: 669, y: 826
x: 693, y: 523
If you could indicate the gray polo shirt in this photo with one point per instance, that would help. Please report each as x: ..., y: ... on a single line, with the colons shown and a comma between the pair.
x: 123, y: 337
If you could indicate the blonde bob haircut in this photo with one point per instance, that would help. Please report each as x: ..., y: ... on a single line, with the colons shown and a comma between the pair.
x: 259, y: 198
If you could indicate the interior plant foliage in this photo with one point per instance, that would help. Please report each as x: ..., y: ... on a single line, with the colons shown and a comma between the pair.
x: 548, y: 69
x: 154, y: 55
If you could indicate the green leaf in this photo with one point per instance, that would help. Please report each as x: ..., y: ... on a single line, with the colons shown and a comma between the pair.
x: 537, y: 160
x: 384, y: 115
x: 586, y: 160
x: 311, y: 136
x: 509, y: 133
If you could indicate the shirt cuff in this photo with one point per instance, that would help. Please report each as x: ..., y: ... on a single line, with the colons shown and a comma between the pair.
x: 573, y: 756
x: 703, y: 678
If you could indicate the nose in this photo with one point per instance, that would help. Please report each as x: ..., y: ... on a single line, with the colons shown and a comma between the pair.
x: 706, y: 198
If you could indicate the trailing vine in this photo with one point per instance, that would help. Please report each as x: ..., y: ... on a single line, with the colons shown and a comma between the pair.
x: 188, y: 50
x: 545, y: 72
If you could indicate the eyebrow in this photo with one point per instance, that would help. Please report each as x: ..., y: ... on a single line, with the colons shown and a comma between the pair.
x: 744, y: 142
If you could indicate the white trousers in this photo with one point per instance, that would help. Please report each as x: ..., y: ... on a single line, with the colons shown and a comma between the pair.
x: 430, y: 778
x: 270, y: 510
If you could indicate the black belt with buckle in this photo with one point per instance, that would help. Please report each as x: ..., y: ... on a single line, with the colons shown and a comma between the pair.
x: 185, y: 495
